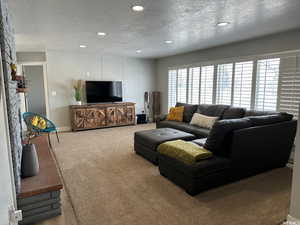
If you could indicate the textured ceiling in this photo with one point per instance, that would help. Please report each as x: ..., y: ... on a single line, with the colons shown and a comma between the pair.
x: 190, y: 24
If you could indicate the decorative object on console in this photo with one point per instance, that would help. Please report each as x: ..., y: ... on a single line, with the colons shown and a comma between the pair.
x: 102, y: 115
x: 22, y: 83
x: 78, y: 91
x: 30, y: 163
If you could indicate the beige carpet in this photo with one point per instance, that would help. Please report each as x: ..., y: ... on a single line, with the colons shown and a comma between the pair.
x: 109, y: 184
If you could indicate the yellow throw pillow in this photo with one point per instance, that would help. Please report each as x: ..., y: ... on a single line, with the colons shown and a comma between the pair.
x: 39, y: 122
x: 176, y: 113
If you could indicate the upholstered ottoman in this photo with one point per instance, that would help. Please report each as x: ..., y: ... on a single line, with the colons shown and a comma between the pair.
x: 146, y: 142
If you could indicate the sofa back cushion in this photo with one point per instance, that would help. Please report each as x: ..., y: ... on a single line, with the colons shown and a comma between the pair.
x: 221, y: 129
x: 212, y: 110
x: 188, y: 112
x: 270, y: 119
x: 234, y: 113
x: 259, y: 113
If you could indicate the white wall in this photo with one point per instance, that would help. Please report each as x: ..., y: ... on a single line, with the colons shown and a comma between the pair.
x: 269, y: 44
x: 24, y: 57
x: 138, y: 76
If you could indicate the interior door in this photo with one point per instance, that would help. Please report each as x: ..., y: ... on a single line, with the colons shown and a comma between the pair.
x: 36, y: 101
x: 7, y: 190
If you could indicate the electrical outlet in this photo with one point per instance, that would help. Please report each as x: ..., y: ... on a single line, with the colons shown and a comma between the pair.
x: 14, y: 215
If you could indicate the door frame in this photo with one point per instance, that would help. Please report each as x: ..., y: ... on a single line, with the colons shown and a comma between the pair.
x: 44, y: 64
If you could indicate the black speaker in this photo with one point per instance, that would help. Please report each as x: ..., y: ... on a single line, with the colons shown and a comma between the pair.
x: 141, y: 118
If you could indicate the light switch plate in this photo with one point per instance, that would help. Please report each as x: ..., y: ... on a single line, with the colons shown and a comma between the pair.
x: 53, y: 93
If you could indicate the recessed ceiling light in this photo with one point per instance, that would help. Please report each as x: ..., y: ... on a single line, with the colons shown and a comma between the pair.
x: 168, y: 42
x: 101, y: 34
x: 138, y: 51
x: 82, y: 46
x: 137, y: 8
x: 222, y: 24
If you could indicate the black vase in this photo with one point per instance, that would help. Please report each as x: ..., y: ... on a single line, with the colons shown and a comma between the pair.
x: 30, y: 163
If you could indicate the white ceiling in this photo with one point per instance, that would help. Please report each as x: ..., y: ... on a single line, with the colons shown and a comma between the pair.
x: 190, y: 24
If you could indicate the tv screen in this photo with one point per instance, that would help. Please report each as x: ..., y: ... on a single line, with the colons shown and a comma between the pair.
x: 103, y: 91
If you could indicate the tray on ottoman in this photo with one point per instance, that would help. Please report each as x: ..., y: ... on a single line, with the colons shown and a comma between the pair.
x: 146, y: 142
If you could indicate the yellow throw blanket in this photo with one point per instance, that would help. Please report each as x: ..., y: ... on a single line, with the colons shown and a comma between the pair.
x: 184, y: 151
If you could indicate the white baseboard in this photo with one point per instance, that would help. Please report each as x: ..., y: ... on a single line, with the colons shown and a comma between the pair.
x: 63, y: 129
x: 292, y: 220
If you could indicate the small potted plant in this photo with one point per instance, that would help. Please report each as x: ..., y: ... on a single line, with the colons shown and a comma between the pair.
x: 78, y: 91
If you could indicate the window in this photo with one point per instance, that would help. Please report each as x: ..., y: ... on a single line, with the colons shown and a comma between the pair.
x: 267, y: 84
x: 182, y: 85
x: 206, y: 85
x: 242, y: 84
x: 194, y: 85
x: 172, y: 86
x: 289, y: 85
x: 224, y: 84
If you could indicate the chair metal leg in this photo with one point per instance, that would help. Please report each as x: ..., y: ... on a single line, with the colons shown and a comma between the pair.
x: 49, y: 140
x: 57, y: 136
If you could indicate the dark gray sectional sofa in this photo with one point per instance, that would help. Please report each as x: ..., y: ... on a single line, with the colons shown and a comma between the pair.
x: 244, y: 143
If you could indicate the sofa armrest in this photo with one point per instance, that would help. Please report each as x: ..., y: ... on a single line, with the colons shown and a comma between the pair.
x: 263, y: 147
x: 161, y: 117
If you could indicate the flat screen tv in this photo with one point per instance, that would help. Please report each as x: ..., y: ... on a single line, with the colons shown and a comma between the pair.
x: 103, y: 91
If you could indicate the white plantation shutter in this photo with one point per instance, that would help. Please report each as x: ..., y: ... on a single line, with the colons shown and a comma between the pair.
x: 194, y: 85
x: 172, y: 86
x: 242, y: 84
x: 224, y: 84
x: 267, y: 84
x: 206, y: 84
x: 182, y: 85
x: 289, y: 85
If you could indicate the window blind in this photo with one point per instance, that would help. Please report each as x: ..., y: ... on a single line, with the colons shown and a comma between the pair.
x: 182, y: 85
x: 224, y: 84
x: 242, y: 84
x: 172, y: 86
x: 206, y: 84
x: 267, y: 84
x: 289, y: 85
x: 194, y: 85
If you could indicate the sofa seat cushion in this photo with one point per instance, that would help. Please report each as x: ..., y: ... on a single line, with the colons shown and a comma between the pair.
x: 199, y: 169
x: 212, y: 110
x: 197, y: 131
x: 188, y: 112
x: 152, y: 138
x: 200, y: 142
